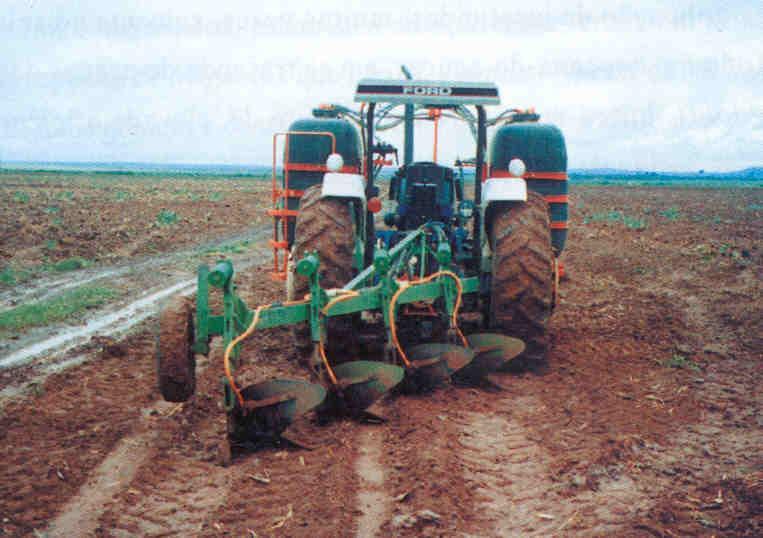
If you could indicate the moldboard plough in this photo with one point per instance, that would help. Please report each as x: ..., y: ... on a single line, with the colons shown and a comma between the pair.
x: 400, y: 294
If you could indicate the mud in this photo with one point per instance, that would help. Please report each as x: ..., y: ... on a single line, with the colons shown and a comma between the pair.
x: 644, y: 422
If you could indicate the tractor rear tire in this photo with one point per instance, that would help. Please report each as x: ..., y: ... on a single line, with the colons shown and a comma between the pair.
x: 522, y: 289
x: 175, y: 358
x: 324, y: 225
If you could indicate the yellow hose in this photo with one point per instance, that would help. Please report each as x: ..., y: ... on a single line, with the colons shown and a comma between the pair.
x: 345, y: 294
x: 454, y: 318
x: 240, y: 338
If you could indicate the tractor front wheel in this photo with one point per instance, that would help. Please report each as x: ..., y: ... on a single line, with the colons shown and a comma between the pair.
x: 175, y: 359
x: 522, y: 289
x: 325, y: 226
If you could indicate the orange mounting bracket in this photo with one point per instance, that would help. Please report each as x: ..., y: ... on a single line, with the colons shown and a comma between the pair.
x: 282, y: 215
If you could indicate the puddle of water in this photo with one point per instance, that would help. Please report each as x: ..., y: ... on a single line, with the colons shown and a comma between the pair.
x: 40, y: 293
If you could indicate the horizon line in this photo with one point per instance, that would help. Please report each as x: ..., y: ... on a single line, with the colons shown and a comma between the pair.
x: 74, y: 163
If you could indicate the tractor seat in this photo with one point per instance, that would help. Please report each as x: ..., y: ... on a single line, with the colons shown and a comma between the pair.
x: 429, y: 172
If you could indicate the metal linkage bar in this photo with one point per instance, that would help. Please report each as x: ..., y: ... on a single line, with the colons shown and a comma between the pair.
x: 361, y: 294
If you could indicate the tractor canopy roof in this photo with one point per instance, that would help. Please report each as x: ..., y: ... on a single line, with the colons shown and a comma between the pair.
x: 427, y: 92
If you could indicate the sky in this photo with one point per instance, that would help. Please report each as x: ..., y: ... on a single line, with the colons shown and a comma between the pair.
x: 642, y: 85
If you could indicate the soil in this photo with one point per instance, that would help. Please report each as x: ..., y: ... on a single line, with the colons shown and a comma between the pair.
x: 645, y: 421
x: 49, y: 217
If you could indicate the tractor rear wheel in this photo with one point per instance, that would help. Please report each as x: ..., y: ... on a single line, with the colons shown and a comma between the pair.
x: 175, y: 359
x: 522, y: 289
x: 324, y: 225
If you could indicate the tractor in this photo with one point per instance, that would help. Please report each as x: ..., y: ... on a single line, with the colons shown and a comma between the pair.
x: 439, y: 278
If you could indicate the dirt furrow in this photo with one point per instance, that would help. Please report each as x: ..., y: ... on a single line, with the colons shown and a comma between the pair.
x: 51, y: 442
x: 645, y: 422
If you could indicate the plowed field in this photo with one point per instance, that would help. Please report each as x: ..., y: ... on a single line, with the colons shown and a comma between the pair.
x: 645, y: 421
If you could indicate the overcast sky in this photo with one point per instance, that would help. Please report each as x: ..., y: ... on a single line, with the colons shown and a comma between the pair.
x: 633, y: 84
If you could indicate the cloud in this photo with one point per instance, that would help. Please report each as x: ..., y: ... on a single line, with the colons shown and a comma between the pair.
x: 678, y: 87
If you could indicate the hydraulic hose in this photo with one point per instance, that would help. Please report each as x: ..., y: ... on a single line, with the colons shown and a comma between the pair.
x: 240, y: 338
x: 454, y: 317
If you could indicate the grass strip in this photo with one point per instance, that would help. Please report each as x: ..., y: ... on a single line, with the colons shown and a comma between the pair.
x: 70, y: 304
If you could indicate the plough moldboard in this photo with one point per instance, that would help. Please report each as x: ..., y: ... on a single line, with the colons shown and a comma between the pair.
x: 399, y: 277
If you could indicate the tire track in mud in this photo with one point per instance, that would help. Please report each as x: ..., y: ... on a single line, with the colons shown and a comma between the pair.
x: 306, y: 493
x: 51, y: 443
x: 510, y: 471
x: 374, y: 504
x: 114, y: 322
x: 173, y: 493
x: 522, y: 489
x: 47, y: 287
x: 518, y: 494
x: 79, y: 517
x: 117, y: 471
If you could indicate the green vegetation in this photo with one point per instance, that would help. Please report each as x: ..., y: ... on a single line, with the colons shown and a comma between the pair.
x: 122, y: 196
x: 69, y: 264
x: 21, y: 197
x: 65, y: 195
x: 216, y: 197
x: 681, y: 362
x: 52, y: 209
x: 233, y: 248
x: 67, y: 305
x: 167, y: 218
x: 613, y: 217
x: 103, y: 177
x: 634, y: 223
x: 716, y: 250
x: 670, y: 181
x: 671, y: 214
x: 10, y: 276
